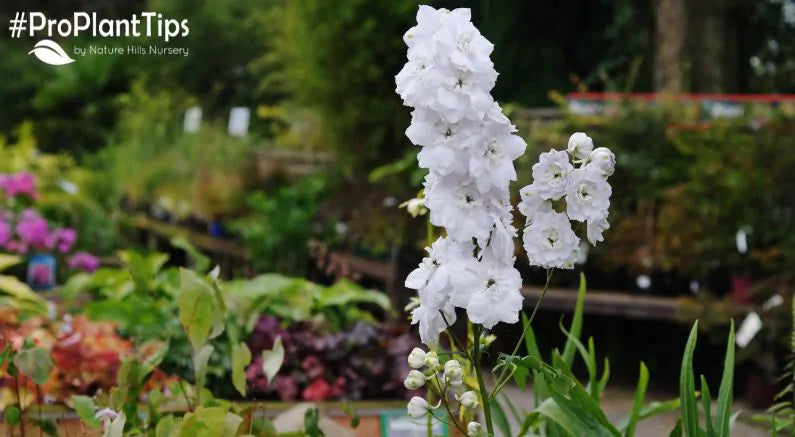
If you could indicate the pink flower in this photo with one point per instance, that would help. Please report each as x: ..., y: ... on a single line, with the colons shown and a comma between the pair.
x: 41, y: 274
x: 24, y: 183
x: 33, y: 230
x: 318, y: 390
x: 17, y: 247
x: 5, y: 233
x: 84, y: 261
x: 63, y: 239
x: 20, y: 183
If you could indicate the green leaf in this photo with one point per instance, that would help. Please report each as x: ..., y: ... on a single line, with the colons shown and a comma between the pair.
x: 7, y: 261
x: 166, y: 425
x: 204, y: 422
x: 723, y: 418
x: 86, y: 409
x: 640, y: 393
x: 199, y: 310
x: 706, y: 402
x: 576, y: 323
x: 677, y: 431
x: 5, y: 354
x: 11, y: 415
x: 231, y: 424
x: 311, y: 423
x: 500, y: 419
x: 49, y: 427
x: 350, y: 410
x: 200, y: 360
x: 605, y: 376
x: 272, y: 359
x: 652, y: 409
x: 35, y: 363
x: 116, y: 428
x: 241, y: 357
x: 687, y: 389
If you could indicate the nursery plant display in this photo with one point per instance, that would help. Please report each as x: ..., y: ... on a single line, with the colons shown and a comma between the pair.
x: 468, y: 147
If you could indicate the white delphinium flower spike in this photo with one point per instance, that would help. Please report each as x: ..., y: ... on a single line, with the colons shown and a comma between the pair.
x: 468, y: 146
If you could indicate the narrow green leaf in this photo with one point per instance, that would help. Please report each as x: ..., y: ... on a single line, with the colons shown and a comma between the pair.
x: 576, y: 323
x: 512, y: 408
x: 677, y: 431
x: 706, y: 402
x: 687, y: 389
x: 722, y: 420
x: 652, y: 409
x: 640, y: 393
x: 241, y: 357
x: 500, y: 419
x: 605, y: 376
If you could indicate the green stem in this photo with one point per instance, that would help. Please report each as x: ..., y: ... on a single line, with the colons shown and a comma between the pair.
x: 526, y: 327
x: 484, y: 393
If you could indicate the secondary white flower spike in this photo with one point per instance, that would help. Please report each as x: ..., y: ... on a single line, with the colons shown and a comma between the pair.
x: 561, y: 193
x: 468, y: 147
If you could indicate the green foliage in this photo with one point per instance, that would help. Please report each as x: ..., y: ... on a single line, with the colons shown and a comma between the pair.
x: 273, y: 359
x: 720, y: 426
x: 340, y: 63
x: 280, y: 225
x: 567, y: 406
x: 35, y: 363
x: 16, y: 294
x: 241, y: 357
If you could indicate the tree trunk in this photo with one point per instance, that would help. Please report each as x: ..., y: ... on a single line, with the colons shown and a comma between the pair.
x: 671, y: 23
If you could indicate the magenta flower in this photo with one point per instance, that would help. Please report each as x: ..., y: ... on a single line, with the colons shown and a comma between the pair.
x: 33, y: 230
x: 5, y: 233
x: 84, y: 261
x: 20, y: 183
x: 41, y: 274
x: 62, y: 239
x: 17, y: 247
x: 24, y: 183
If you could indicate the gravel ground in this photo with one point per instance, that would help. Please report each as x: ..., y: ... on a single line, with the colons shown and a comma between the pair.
x: 617, y: 402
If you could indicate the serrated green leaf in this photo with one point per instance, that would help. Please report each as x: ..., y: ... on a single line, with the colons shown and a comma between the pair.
x: 241, y: 358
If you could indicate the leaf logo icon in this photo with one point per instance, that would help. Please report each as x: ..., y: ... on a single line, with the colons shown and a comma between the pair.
x: 50, y: 52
